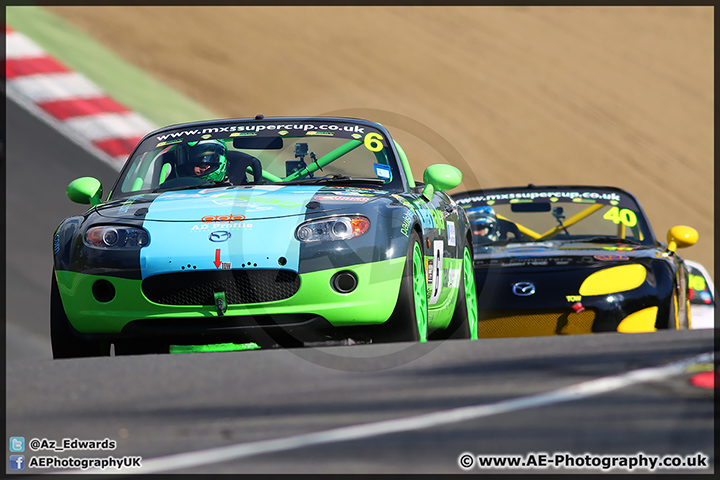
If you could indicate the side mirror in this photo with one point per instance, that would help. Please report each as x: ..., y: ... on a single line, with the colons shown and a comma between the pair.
x: 681, y: 236
x: 440, y: 177
x: 86, y: 190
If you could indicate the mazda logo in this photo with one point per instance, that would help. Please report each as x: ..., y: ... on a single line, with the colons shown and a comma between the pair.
x: 221, y: 236
x: 523, y: 289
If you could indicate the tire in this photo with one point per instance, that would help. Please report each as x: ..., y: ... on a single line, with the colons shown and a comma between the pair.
x: 464, y: 322
x: 676, y: 319
x: 682, y: 315
x: 65, y: 343
x: 409, y: 320
x: 673, y: 317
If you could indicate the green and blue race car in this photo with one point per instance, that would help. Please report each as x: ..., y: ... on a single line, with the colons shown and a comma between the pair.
x: 267, y: 232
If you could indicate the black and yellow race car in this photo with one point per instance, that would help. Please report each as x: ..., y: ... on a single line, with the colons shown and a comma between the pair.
x: 573, y: 259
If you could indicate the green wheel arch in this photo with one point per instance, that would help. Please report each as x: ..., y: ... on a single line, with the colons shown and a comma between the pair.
x: 409, y: 319
x: 65, y: 342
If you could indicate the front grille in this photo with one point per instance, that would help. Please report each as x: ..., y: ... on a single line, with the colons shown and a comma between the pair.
x: 240, y: 287
x: 505, y: 323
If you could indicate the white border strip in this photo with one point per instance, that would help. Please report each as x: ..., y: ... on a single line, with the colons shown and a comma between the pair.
x: 107, y: 126
x: 354, y: 432
x: 47, y: 87
x: 30, y: 90
x: 62, y: 128
x: 19, y: 46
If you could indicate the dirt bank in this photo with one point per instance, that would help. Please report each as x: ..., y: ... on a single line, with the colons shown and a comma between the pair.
x: 618, y: 96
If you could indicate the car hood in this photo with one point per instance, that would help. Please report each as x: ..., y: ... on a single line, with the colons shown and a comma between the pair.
x: 560, y: 254
x: 556, y: 271
x: 231, y: 227
x: 254, y: 202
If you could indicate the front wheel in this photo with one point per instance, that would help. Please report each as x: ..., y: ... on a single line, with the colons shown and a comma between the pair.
x: 464, y: 322
x: 409, y: 320
x: 679, y: 319
x: 65, y: 344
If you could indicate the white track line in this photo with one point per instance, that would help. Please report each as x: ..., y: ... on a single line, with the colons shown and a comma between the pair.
x: 354, y: 432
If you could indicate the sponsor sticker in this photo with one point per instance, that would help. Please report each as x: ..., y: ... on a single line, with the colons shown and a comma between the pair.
x: 383, y: 171
x: 611, y: 258
x: 171, y: 142
x: 206, y: 227
x: 576, y: 196
x: 223, y: 218
x: 345, y: 198
x: 406, y: 222
x: 454, y: 278
x: 126, y: 204
x: 451, y: 233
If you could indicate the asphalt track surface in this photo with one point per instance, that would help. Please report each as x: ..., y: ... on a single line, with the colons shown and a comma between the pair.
x: 160, y: 405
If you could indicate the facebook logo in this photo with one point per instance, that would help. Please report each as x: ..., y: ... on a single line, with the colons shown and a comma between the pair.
x: 17, y: 462
x: 17, y: 444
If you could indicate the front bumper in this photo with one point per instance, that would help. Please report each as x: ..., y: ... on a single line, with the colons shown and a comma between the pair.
x: 371, y: 303
x: 557, y: 308
x: 564, y: 321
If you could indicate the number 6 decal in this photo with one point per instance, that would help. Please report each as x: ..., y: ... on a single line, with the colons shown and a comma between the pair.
x: 373, y: 142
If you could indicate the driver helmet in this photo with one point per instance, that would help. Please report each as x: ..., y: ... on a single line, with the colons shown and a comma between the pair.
x: 484, y: 224
x: 205, y: 160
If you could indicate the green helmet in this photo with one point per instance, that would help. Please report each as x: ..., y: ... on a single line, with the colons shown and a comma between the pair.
x: 205, y: 160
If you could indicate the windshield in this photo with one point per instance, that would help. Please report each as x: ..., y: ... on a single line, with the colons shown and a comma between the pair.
x: 593, y: 215
x: 262, y: 152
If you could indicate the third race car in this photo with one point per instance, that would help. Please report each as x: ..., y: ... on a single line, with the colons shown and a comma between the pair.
x: 702, y: 296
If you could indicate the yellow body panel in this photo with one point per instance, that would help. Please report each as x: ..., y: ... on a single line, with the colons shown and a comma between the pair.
x: 639, y: 322
x: 613, y: 280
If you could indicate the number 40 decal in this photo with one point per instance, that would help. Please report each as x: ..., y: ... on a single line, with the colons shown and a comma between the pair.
x: 616, y: 215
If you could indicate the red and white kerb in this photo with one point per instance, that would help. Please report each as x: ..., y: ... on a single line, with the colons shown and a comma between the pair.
x: 69, y: 98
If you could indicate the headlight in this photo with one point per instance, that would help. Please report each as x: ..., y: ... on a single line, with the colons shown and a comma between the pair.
x: 336, y: 228
x: 109, y: 236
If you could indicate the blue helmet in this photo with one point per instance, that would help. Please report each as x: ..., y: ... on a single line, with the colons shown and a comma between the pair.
x: 484, y: 224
